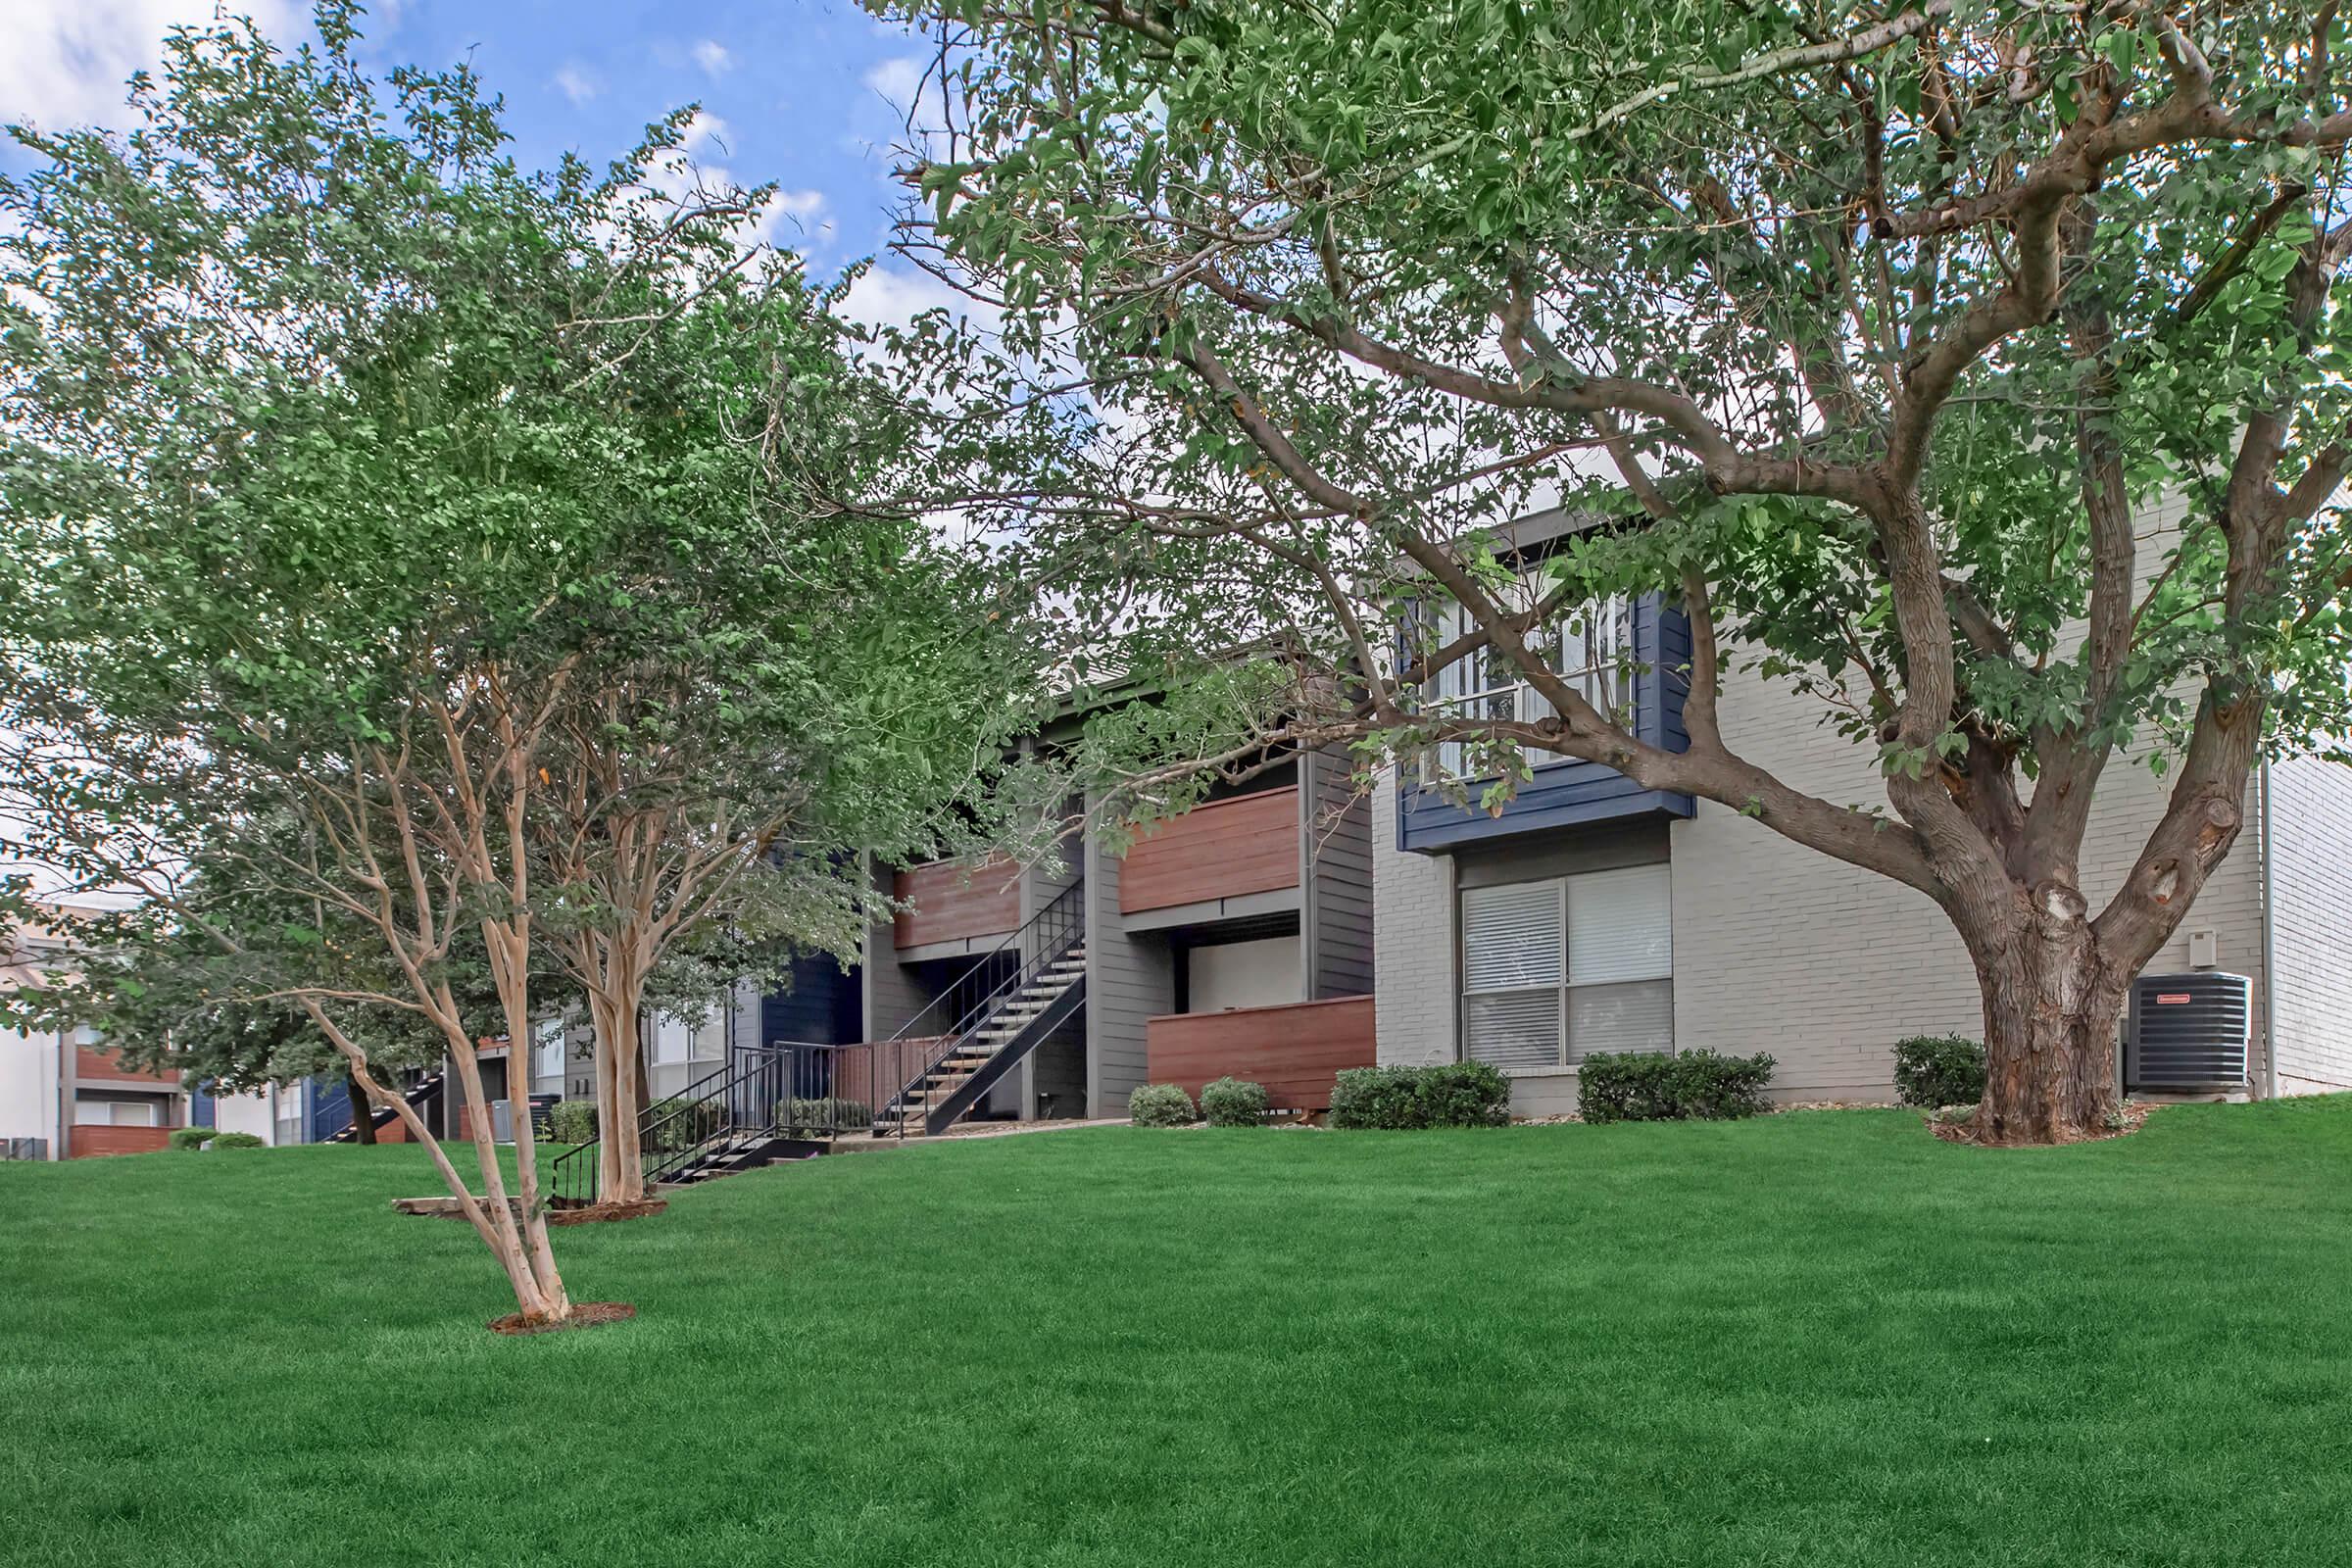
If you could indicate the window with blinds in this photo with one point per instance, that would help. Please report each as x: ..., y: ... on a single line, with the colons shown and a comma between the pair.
x: 1591, y: 646
x: 1553, y: 971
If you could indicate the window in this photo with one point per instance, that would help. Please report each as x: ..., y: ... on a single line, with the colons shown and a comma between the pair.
x: 288, y: 1116
x: 551, y: 1049
x: 90, y: 1112
x: 1592, y: 647
x: 703, y: 1039
x: 1555, y: 970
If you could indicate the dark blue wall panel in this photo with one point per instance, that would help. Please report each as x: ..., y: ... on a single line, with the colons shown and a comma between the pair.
x: 1567, y: 794
x: 817, y: 1006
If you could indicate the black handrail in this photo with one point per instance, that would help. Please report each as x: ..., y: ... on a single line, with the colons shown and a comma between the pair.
x: 790, y: 1090
x: 1044, y: 940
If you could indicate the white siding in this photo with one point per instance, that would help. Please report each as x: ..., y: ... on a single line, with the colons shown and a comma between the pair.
x: 2311, y: 847
x: 246, y: 1113
x: 28, y: 1088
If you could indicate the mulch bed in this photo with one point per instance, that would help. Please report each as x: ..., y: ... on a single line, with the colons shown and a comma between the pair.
x: 602, y: 1213
x: 2133, y: 1119
x: 584, y: 1316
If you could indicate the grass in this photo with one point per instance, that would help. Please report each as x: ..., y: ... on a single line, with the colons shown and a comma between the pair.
x: 1817, y: 1339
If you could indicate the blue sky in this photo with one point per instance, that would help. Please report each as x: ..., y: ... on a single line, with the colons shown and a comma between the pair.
x: 795, y: 91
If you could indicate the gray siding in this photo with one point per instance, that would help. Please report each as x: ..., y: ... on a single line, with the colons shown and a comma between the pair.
x: 2311, y: 850
x: 890, y: 995
x: 1335, y: 879
x: 1128, y: 980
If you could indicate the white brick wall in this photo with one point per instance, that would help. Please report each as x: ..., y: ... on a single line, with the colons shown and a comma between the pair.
x: 1414, y: 980
x: 1779, y: 949
x: 2311, y: 844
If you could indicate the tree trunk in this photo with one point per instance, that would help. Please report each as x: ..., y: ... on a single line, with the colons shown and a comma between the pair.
x: 2051, y: 1005
x: 363, y: 1109
x: 619, y: 1098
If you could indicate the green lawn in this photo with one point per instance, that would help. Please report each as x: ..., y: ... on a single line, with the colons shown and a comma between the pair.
x: 1819, y: 1338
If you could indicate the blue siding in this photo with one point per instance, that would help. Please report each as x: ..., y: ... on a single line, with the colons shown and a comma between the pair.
x: 1565, y: 795
x: 331, y: 1110
x: 819, y: 1004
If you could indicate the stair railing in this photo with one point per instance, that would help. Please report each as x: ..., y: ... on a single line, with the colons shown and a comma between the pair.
x: 790, y: 1090
x: 976, y: 1000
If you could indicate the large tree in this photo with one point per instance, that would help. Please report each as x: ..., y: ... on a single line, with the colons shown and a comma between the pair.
x: 1877, y: 331
x: 408, y: 538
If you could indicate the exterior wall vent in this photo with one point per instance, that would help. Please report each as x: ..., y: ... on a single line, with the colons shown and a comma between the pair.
x: 2188, y: 1031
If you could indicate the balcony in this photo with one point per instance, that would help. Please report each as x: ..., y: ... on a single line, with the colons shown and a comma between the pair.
x: 1297, y: 1049
x: 1229, y: 849
x: 92, y: 1064
x: 82, y: 1143
x: 1565, y: 794
x: 956, y: 903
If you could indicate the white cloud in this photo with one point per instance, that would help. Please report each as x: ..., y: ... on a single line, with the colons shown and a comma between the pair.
x: 578, y: 83
x: 704, y: 130
x: 65, y: 61
x: 712, y: 57
x: 886, y: 297
x: 897, y: 82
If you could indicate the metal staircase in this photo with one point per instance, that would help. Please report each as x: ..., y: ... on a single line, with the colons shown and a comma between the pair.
x: 766, y: 1102
x: 781, y: 1102
x: 984, y: 1025
x: 421, y: 1094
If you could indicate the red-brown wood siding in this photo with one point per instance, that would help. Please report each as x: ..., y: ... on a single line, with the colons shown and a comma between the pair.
x: 99, y: 1067
x: 1297, y: 1049
x: 872, y: 1074
x: 1247, y: 843
x: 82, y: 1142
x: 952, y: 902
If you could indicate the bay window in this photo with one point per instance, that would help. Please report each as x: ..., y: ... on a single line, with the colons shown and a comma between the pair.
x: 1590, y: 645
x: 1557, y: 969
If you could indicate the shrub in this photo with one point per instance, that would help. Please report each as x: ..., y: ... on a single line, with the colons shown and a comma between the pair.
x: 1160, y: 1106
x: 1451, y: 1094
x: 832, y: 1112
x: 1234, y: 1103
x: 1931, y: 1070
x: 188, y: 1137
x: 1654, y: 1085
x: 237, y: 1141
x: 572, y: 1121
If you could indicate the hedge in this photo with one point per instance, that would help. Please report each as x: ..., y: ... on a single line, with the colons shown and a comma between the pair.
x: 1234, y: 1103
x: 1452, y: 1094
x: 1933, y: 1070
x: 1160, y: 1106
x: 1654, y: 1085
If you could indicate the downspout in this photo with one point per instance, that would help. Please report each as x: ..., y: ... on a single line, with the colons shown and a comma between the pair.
x: 2270, y: 948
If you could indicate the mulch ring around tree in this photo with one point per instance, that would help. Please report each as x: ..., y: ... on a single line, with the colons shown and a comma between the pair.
x: 1952, y: 1129
x: 439, y: 1207
x: 584, y: 1316
x: 602, y: 1213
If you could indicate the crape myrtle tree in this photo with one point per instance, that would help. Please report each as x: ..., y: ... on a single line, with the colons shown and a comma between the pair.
x: 1875, y: 334
x: 366, y: 493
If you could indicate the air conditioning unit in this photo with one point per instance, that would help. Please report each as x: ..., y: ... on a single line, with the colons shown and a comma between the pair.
x: 2188, y: 1031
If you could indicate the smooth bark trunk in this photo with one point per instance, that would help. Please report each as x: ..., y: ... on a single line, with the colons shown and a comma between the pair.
x: 620, y: 1102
